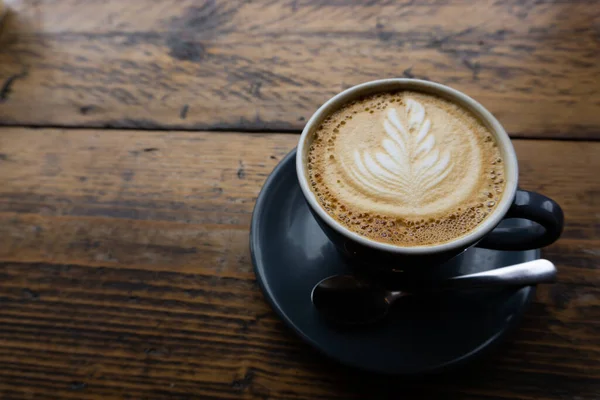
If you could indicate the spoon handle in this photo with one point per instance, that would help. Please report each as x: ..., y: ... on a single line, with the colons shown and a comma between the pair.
x: 529, y: 273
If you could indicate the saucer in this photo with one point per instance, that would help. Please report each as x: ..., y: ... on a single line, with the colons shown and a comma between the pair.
x: 422, y: 334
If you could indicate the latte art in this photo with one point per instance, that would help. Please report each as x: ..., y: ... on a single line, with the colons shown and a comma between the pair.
x: 406, y: 168
x: 411, y: 163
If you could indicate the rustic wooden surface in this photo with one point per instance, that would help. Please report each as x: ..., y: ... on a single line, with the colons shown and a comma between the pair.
x: 267, y: 65
x: 124, y: 264
x: 125, y: 273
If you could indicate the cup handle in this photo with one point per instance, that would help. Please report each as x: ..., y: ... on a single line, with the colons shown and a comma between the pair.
x: 545, y: 212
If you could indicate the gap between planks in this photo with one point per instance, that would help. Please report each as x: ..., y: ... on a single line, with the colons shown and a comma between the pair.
x: 563, y: 137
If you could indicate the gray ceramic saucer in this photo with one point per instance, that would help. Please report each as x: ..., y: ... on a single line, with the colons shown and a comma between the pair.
x: 421, y: 335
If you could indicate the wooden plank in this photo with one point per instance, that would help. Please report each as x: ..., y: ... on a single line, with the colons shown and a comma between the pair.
x: 125, y: 272
x: 267, y: 65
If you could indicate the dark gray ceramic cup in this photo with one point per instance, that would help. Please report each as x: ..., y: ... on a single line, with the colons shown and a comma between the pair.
x: 369, y: 255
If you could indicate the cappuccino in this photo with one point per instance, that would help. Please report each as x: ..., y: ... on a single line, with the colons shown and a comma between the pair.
x: 406, y: 168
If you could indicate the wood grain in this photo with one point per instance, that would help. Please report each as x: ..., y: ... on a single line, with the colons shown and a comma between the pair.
x: 126, y: 274
x: 267, y: 65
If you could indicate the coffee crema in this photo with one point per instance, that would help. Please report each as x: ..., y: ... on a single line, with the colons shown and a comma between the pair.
x: 406, y: 168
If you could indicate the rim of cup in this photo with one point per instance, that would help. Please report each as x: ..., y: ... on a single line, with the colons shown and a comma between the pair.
x: 448, y: 93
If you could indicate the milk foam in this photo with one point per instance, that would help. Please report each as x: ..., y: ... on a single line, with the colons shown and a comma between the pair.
x: 415, y: 161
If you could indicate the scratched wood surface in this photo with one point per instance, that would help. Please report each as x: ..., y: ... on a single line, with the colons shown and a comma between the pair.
x: 125, y: 273
x: 267, y: 65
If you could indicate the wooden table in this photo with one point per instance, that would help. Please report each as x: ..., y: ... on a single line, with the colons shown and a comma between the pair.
x: 136, y: 136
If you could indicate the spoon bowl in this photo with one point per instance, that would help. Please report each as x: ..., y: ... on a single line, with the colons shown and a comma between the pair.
x: 349, y: 300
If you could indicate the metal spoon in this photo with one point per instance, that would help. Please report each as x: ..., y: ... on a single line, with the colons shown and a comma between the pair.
x: 346, y: 299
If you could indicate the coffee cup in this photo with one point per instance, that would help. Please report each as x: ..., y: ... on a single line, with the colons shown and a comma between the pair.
x: 414, y: 114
